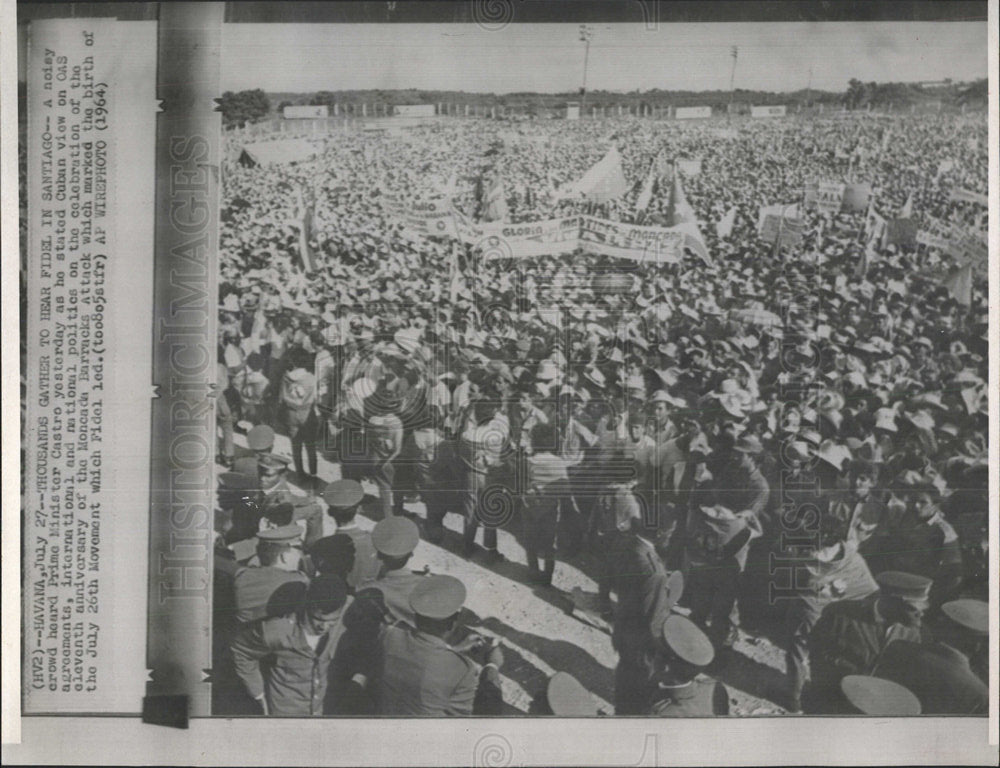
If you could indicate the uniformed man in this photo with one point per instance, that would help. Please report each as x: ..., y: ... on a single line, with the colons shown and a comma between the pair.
x: 332, y: 554
x: 277, y: 512
x: 875, y: 697
x: 343, y: 498
x: 260, y: 439
x: 236, y: 518
x: 830, y: 569
x: 851, y: 635
x: 225, y: 416
x: 968, y: 630
x: 679, y: 690
x: 260, y: 443
x: 419, y: 671
x: 271, y: 469
x: 564, y: 697
x: 646, y: 594
x: 283, y: 507
x: 260, y: 591
x: 246, y: 464
x: 377, y: 603
x: 939, y: 673
x: 240, y: 495
x: 297, y: 648
x: 394, y: 539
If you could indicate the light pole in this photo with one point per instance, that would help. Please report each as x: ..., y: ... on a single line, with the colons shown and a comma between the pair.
x: 734, y: 52
x: 586, y: 33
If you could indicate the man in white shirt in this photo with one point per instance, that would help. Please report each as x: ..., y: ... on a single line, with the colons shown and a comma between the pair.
x: 482, y: 444
x: 385, y: 441
x: 547, y: 496
x: 575, y: 438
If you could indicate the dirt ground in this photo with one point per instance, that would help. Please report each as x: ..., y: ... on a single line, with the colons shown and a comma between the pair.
x: 544, y: 630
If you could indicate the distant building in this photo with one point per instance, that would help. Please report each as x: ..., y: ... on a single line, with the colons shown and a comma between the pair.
x: 572, y: 110
x: 304, y: 112
x: 414, y: 110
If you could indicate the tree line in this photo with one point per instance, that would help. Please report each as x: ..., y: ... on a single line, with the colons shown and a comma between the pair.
x: 243, y: 107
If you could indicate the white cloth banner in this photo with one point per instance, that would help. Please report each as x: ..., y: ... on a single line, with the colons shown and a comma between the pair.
x: 656, y: 245
x: 968, y: 196
x: 536, y: 238
x: 421, y: 219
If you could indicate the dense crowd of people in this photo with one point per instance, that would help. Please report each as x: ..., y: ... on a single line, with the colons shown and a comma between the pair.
x: 787, y: 441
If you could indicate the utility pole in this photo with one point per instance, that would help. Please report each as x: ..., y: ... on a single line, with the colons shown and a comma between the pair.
x: 734, y: 52
x: 586, y: 33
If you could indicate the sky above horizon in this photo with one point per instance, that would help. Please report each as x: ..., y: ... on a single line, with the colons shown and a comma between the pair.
x: 548, y: 58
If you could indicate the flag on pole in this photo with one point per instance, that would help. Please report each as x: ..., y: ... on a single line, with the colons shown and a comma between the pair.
x: 959, y: 283
x: 868, y: 255
x: 305, y: 225
x: 680, y: 210
x: 494, y: 203
x: 662, y: 166
x: 680, y: 214
x: 902, y: 230
x: 456, y: 285
x: 886, y: 136
x: 604, y: 181
x: 875, y: 223
x: 724, y: 227
x: 907, y: 210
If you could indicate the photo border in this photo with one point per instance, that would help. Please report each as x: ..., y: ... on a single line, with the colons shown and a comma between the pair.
x: 917, y: 740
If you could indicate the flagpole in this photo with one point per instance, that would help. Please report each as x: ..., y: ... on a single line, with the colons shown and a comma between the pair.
x: 586, y: 33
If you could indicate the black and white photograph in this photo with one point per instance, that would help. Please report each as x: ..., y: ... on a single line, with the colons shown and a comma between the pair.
x: 571, y: 368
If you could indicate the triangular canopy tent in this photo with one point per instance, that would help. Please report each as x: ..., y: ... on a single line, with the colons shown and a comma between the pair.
x: 280, y: 152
